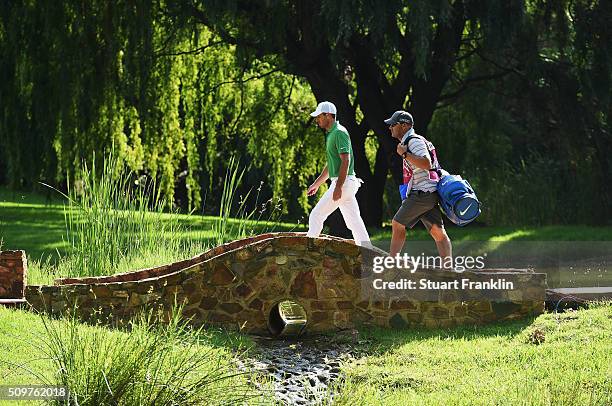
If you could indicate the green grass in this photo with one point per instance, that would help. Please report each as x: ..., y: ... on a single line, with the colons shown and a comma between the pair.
x: 494, y: 365
x: 135, y: 365
x: 560, y: 359
x: 68, y: 239
x: 476, y: 232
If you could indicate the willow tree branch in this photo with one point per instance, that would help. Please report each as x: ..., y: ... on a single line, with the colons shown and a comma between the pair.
x: 465, y: 84
x: 242, y: 81
x: 225, y: 35
x: 191, y: 51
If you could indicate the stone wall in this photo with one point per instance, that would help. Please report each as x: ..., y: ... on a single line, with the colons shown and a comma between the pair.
x: 13, y: 271
x: 236, y: 285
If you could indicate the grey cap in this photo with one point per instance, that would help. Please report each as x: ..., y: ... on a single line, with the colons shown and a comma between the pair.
x: 400, y: 116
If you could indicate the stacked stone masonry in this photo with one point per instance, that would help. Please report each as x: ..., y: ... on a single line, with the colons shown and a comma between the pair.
x: 237, y: 284
x: 13, y: 270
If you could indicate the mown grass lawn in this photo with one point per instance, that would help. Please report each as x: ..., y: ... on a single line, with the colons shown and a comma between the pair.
x: 38, y: 225
x: 500, y: 364
x: 35, y: 224
x: 555, y: 359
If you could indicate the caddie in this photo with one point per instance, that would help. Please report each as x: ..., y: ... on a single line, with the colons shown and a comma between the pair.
x: 420, y: 174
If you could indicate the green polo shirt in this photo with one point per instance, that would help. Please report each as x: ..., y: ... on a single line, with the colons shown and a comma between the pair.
x: 338, y: 142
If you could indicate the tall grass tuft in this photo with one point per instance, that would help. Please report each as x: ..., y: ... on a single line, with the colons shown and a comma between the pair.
x: 223, y: 228
x: 112, y: 219
x: 155, y: 364
x: 116, y: 222
x: 235, y: 220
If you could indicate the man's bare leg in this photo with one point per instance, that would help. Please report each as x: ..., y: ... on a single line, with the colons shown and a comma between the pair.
x: 445, y: 248
x: 398, y: 237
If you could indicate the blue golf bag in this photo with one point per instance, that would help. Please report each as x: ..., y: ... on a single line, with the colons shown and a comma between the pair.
x: 458, y: 200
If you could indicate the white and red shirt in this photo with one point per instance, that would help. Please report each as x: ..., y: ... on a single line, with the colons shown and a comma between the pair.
x: 422, y: 179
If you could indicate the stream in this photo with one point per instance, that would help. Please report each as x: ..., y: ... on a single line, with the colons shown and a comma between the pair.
x: 300, y: 371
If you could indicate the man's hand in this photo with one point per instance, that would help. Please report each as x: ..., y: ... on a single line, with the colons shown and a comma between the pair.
x: 401, y: 149
x: 312, y: 189
x: 337, y: 193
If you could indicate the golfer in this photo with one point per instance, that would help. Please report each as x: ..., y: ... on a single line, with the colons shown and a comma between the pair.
x: 344, y: 183
x: 420, y: 198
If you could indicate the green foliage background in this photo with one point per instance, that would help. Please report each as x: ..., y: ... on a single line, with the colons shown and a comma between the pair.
x: 174, y: 102
x: 85, y: 78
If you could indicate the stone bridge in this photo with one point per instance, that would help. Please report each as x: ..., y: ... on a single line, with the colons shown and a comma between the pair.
x: 240, y: 284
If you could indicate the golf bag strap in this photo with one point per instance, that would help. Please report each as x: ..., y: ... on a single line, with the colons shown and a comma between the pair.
x: 437, y: 170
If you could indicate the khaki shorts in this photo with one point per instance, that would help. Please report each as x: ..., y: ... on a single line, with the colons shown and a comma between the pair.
x: 420, y: 206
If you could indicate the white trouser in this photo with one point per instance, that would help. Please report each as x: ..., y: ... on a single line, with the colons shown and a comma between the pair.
x: 348, y: 207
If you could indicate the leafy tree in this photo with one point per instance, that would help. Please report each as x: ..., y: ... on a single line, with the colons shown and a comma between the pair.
x: 515, y: 94
x: 535, y: 142
x: 369, y: 57
x: 170, y: 100
x: 373, y: 57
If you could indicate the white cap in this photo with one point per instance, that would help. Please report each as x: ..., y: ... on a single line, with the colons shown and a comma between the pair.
x: 324, y: 107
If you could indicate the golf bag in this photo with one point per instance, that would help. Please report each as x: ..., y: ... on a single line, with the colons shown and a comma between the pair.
x: 457, y: 198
